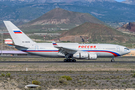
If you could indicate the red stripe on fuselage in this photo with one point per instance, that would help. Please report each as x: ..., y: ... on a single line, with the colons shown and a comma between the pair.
x: 58, y: 51
x: 105, y: 51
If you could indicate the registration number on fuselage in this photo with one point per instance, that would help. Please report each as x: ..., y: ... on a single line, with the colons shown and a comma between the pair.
x: 25, y: 41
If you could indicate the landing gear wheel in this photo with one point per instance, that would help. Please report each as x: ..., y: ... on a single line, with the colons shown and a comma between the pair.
x: 65, y: 60
x: 112, y: 60
x: 73, y: 60
x: 68, y: 60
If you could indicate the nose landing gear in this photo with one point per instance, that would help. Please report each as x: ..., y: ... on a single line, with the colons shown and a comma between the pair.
x: 113, y: 60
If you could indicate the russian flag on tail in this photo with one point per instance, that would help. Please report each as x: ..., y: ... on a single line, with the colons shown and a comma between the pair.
x: 17, y: 32
x: 54, y: 44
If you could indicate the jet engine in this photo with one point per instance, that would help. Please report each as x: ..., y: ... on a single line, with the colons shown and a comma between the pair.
x: 83, y: 55
x: 92, y: 56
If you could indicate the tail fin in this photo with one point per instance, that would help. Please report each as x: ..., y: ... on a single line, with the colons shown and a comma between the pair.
x: 17, y: 35
x: 54, y: 44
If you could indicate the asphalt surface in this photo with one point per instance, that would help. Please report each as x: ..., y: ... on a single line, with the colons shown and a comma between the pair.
x: 77, y: 61
x: 66, y: 62
x: 33, y: 56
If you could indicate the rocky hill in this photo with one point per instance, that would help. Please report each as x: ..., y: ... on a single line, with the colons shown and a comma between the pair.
x: 60, y: 19
x: 95, y: 33
x: 132, y: 2
x: 61, y: 16
x: 105, y: 10
x: 44, y: 1
x: 129, y: 27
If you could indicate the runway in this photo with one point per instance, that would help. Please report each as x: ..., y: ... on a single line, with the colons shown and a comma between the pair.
x: 67, y: 62
x: 33, y: 56
x: 57, y: 64
x: 35, y: 59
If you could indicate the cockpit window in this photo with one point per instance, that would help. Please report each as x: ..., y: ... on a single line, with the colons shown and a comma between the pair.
x: 126, y: 48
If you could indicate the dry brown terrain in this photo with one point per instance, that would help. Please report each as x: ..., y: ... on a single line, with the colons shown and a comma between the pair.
x: 99, y: 74
x: 61, y: 16
x: 95, y: 33
x: 128, y: 27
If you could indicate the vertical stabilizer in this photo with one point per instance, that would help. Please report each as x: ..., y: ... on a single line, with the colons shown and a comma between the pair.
x: 54, y: 44
x: 17, y: 35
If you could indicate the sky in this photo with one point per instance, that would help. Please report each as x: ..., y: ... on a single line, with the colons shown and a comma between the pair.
x: 120, y: 0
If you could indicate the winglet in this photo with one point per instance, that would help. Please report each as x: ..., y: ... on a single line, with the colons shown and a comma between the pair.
x: 54, y: 44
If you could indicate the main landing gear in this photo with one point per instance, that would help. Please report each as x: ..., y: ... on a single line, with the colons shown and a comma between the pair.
x: 69, y: 60
x: 68, y: 56
x: 112, y: 60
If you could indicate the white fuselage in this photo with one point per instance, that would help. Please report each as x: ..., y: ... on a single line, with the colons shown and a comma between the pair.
x: 68, y: 50
x: 101, y: 50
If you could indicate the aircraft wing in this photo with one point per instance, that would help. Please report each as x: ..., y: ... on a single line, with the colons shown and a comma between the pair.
x: 64, y: 50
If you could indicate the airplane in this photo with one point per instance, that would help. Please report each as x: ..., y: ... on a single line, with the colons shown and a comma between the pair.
x: 69, y: 51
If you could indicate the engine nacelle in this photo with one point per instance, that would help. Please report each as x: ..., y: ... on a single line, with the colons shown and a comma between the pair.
x: 89, y: 56
x: 92, y: 56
